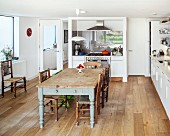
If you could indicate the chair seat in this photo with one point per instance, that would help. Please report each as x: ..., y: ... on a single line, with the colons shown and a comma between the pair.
x: 14, y: 79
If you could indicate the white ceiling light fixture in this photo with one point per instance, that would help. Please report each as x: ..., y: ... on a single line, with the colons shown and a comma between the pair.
x: 77, y: 38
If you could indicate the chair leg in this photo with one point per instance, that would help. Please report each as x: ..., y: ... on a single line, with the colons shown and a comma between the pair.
x: 107, y: 94
x: 66, y: 102
x: 103, y: 96
x: 77, y: 113
x: 50, y: 106
x: 25, y: 83
x: 14, y: 89
x: 2, y: 89
x: 56, y: 109
x: 96, y: 112
x: 98, y: 106
x: 11, y: 87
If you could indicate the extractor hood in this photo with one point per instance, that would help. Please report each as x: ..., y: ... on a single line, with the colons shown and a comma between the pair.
x: 165, y: 21
x: 99, y: 26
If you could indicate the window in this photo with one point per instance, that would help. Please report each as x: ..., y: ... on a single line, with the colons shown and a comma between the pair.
x: 110, y: 38
x: 6, y: 34
x: 49, y: 36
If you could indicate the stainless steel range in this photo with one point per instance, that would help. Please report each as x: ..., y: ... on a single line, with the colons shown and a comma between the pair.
x: 98, y: 57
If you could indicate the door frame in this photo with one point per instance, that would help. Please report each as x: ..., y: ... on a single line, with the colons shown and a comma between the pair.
x: 59, y: 51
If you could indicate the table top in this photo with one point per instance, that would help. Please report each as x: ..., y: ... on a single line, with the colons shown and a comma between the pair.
x: 70, y: 78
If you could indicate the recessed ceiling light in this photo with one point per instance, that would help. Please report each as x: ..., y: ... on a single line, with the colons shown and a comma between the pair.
x: 82, y: 11
x: 154, y: 13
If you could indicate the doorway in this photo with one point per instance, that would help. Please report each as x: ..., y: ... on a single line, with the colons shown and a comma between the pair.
x: 138, y: 48
x: 50, y: 49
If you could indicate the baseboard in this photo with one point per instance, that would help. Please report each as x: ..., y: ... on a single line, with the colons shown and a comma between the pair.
x: 32, y: 77
x: 116, y: 79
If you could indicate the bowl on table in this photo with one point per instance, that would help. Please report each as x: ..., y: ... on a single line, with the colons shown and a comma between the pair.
x: 80, y: 67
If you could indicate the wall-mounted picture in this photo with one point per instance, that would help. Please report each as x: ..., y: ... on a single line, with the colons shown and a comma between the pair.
x: 65, y: 36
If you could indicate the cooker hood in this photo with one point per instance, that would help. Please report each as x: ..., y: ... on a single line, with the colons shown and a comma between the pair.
x: 165, y: 21
x: 99, y: 26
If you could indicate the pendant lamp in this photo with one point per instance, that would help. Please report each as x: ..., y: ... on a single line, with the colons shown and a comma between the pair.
x: 77, y: 38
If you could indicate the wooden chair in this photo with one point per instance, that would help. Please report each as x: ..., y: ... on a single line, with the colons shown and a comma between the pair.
x: 105, y: 85
x: 92, y: 64
x: 83, y: 103
x: 6, y: 70
x: 54, y: 102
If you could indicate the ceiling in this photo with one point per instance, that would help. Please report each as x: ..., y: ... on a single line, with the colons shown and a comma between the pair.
x: 94, y: 8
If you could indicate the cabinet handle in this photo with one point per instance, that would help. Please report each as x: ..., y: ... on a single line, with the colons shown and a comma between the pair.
x: 75, y: 91
x: 163, y: 73
x: 56, y: 91
x: 168, y: 80
x: 157, y: 67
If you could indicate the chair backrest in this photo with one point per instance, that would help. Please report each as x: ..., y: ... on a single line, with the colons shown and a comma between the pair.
x: 6, y: 68
x: 106, y: 75
x: 44, y: 75
x: 99, y: 86
x: 91, y: 64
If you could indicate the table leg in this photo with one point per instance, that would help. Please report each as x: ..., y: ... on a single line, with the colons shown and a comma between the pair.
x: 91, y: 97
x: 41, y: 107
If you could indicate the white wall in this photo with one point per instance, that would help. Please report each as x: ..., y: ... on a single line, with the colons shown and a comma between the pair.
x: 138, y: 46
x: 65, y: 45
x: 28, y: 46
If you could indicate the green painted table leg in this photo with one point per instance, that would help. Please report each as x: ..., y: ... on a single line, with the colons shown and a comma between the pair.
x: 41, y: 107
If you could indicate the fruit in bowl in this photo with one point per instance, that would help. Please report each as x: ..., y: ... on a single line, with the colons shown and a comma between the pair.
x: 79, y: 68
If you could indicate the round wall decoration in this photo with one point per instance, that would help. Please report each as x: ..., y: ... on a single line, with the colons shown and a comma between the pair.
x: 29, y: 32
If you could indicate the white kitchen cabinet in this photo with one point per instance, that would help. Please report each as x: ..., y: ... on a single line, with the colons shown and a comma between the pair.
x: 163, y: 89
x: 158, y: 79
x: 162, y: 85
x: 167, y: 97
x: 117, y: 68
x: 153, y: 72
x: 161, y: 81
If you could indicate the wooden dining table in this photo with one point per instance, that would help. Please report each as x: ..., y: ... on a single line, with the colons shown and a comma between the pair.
x: 70, y: 82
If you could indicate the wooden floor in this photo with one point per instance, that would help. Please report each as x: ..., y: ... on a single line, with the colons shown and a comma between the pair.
x: 133, y: 109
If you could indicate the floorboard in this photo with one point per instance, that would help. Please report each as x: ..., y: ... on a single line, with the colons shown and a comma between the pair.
x: 133, y: 109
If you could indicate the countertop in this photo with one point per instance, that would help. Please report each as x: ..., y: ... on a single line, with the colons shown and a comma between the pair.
x: 161, y: 58
x: 165, y: 69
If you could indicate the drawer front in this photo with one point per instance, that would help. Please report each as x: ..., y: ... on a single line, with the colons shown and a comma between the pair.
x: 66, y: 91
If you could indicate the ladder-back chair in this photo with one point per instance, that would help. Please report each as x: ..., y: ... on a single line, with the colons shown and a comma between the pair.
x: 6, y: 71
x: 83, y: 103
x: 92, y: 64
x: 54, y: 102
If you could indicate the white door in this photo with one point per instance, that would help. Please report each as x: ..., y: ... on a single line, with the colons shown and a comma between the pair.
x: 137, y: 41
x: 50, y: 50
